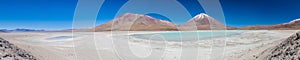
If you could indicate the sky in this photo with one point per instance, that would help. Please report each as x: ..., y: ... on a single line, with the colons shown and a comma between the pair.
x: 58, y: 14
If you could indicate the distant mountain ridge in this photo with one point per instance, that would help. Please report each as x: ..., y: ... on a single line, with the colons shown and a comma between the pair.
x: 292, y: 25
x: 21, y: 30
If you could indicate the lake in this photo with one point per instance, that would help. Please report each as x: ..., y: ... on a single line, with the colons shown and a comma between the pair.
x: 186, y: 35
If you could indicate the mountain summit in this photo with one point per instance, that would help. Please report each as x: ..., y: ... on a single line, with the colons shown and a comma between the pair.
x: 136, y: 22
x: 202, y: 22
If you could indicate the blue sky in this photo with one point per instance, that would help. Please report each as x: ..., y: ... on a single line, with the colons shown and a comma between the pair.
x: 58, y: 14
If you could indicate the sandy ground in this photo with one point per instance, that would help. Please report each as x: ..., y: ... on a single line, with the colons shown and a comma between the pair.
x: 119, y: 46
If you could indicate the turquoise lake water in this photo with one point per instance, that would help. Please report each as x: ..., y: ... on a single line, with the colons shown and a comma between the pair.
x: 185, y: 36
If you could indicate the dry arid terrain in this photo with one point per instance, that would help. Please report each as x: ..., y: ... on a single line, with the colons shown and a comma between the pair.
x: 249, y: 45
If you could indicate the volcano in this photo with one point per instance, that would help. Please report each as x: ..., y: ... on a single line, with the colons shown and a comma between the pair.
x: 202, y: 22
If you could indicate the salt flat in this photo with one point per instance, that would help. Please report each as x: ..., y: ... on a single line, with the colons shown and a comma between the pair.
x: 117, y: 45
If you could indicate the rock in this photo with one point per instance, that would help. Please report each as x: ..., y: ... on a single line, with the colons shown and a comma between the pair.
x: 9, y: 51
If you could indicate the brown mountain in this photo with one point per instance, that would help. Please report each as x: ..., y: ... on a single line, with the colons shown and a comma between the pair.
x: 202, y: 22
x: 136, y: 22
x: 295, y: 24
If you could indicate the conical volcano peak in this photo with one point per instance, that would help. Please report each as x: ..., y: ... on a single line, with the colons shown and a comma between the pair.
x: 203, y: 21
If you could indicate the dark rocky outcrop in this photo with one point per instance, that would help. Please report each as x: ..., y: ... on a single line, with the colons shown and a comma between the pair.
x: 9, y: 51
x: 288, y: 49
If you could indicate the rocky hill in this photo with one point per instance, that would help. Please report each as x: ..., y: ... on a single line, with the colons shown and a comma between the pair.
x: 9, y: 51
